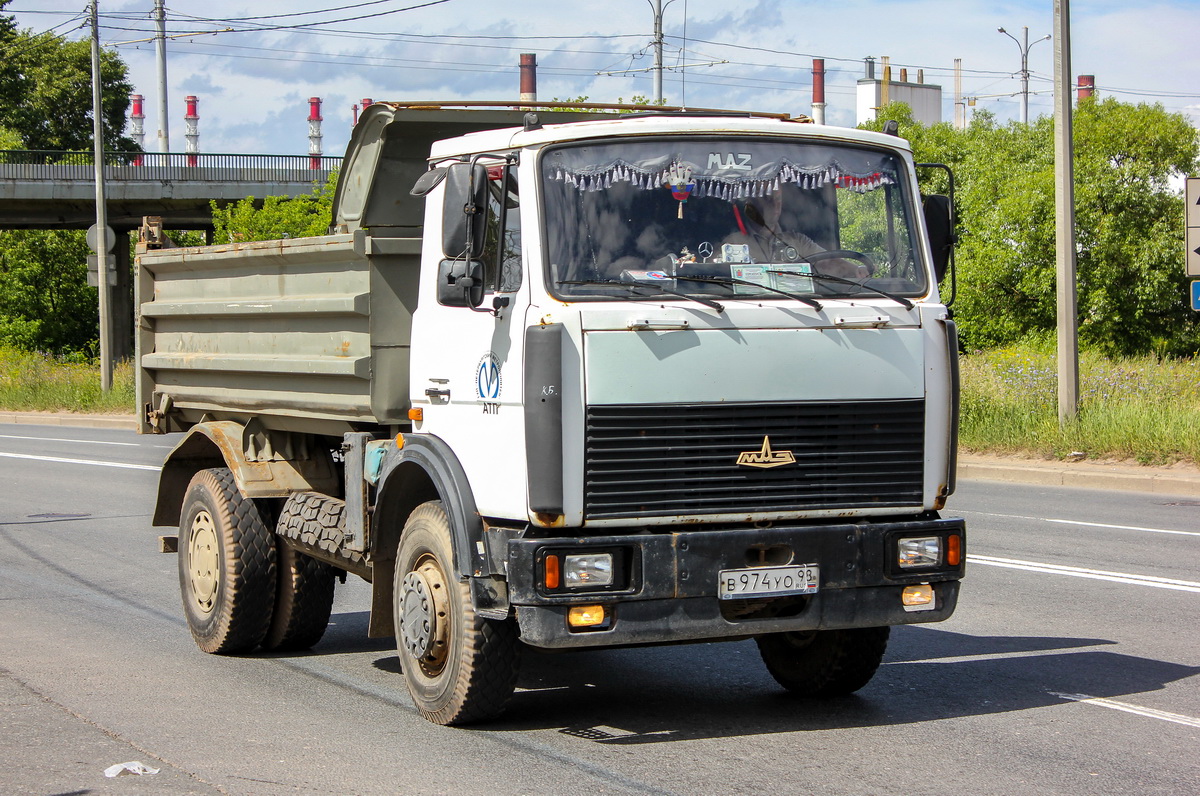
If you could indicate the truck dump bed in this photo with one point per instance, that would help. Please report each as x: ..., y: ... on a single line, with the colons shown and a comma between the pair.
x: 308, y: 334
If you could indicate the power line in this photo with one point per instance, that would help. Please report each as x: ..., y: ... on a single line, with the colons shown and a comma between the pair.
x: 308, y: 13
x: 254, y: 27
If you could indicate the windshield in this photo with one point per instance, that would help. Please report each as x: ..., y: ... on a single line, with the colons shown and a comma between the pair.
x: 761, y: 219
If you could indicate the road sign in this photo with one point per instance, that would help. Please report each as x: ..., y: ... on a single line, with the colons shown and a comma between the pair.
x: 110, y: 263
x: 110, y: 238
x: 1196, y: 295
x: 1191, y: 196
x: 1192, y: 242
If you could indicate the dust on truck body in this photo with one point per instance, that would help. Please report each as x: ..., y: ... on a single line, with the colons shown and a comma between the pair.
x: 608, y: 381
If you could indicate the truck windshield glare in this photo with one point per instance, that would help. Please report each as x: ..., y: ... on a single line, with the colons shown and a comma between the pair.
x: 762, y: 219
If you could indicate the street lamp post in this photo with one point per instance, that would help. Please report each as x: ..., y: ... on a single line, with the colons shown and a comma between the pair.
x: 1024, y: 47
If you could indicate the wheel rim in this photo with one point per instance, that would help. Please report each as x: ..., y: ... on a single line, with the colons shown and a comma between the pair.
x: 424, y: 622
x: 203, y: 561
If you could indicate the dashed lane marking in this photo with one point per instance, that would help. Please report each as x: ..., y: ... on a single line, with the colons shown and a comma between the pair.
x: 1081, y: 572
x: 1086, y: 524
x: 91, y: 462
x: 1112, y: 704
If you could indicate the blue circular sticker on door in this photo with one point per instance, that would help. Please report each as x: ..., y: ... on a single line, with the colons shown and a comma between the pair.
x: 487, y: 377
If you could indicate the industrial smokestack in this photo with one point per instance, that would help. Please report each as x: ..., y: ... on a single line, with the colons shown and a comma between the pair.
x: 818, y: 90
x: 136, y: 126
x: 1087, y: 86
x: 869, y: 61
x: 884, y: 90
x: 528, y: 77
x: 191, y: 130
x: 367, y: 102
x: 314, y: 132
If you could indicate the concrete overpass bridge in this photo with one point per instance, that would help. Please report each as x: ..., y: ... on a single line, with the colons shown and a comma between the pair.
x: 57, y: 190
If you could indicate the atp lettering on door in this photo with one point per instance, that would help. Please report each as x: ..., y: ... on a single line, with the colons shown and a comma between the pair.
x: 488, y: 383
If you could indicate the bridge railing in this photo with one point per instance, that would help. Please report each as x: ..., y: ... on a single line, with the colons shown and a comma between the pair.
x: 41, y: 164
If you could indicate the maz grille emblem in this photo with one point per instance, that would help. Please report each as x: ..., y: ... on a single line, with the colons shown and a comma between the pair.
x: 766, y: 457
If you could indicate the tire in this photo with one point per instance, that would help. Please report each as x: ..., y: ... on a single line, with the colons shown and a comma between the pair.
x: 825, y: 663
x: 227, y: 565
x: 459, y: 667
x: 303, y: 600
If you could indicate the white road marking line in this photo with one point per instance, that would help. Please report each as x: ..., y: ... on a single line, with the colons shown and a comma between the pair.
x: 1113, y: 704
x: 1085, y: 524
x: 92, y: 462
x: 61, y: 439
x: 1095, y: 574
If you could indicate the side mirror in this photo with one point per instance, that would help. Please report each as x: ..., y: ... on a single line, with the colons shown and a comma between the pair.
x: 939, y: 220
x: 464, y: 211
x: 460, y: 283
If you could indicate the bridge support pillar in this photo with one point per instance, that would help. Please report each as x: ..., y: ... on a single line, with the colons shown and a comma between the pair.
x: 121, y: 301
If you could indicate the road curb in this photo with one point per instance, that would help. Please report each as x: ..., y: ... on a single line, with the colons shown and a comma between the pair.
x: 128, y: 422
x: 1089, y: 475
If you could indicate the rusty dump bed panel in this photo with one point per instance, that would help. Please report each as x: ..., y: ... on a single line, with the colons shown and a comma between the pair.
x: 307, y: 334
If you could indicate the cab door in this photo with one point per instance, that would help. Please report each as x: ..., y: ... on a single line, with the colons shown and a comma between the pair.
x: 467, y: 360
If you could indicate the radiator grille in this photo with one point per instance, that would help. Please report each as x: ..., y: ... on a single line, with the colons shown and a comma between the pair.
x: 659, y: 460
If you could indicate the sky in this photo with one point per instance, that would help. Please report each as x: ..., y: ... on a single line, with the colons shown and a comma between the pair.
x: 254, y: 65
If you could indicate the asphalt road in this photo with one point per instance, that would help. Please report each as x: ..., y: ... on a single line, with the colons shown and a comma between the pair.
x: 1069, y: 668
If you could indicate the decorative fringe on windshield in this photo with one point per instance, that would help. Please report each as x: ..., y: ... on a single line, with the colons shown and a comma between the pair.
x: 599, y: 178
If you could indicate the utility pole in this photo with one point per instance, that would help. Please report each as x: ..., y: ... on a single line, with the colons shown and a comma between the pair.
x: 1064, y: 218
x: 160, y: 45
x: 101, y: 241
x: 1024, y: 47
x: 658, y: 52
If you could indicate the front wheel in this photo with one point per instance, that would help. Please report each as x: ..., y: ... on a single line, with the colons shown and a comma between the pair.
x: 459, y: 667
x: 824, y: 663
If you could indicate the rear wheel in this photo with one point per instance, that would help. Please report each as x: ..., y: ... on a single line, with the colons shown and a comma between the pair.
x: 824, y: 663
x: 459, y: 667
x: 303, y: 600
x: 226, y: 565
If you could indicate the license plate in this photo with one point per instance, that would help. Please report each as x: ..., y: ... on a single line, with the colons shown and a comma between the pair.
x: 736, y: 584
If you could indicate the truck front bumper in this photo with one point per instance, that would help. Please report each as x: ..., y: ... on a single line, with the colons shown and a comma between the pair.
x: 667, y: 590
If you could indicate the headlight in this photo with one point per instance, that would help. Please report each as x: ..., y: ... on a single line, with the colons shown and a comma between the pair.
x: 584, y: 570
x: 923, y: 551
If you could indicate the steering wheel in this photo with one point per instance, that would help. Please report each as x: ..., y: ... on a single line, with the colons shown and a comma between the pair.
x: 844, y: 254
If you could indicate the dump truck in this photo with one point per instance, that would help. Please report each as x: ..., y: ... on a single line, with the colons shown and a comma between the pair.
x: 568, y: 381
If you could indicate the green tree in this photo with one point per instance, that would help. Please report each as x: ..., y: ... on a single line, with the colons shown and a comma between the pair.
x: 1131, y: 279
x: 46, y: 90
x: 47, y: 303
x: 277, y: 217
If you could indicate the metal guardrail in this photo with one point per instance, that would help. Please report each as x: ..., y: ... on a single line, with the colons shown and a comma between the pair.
x: 33, y: 164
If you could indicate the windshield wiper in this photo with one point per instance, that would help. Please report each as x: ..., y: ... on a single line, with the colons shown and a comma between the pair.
x: 908, y: 305
x: 637, y: 285
x: 729, y: 280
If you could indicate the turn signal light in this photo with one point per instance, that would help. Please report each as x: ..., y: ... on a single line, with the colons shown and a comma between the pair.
x: 416, y: 413
x: 553, y: 573
x: 585, y: 615
x: 954, y: 550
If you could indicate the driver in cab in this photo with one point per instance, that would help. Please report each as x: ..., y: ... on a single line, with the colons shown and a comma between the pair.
x: 760, y: 231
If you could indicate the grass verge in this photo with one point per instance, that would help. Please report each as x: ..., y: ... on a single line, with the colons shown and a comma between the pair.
x: 39, y: 383
x: 1139, y: 409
